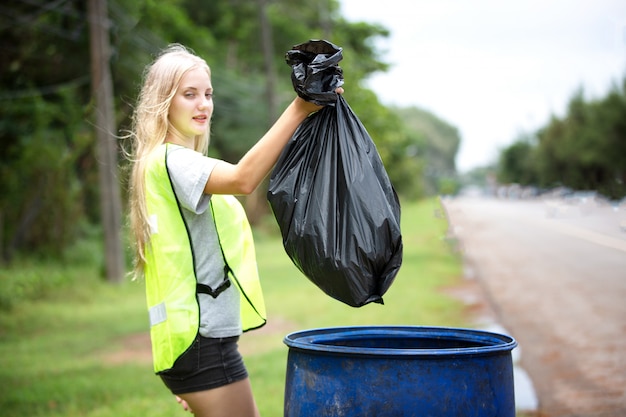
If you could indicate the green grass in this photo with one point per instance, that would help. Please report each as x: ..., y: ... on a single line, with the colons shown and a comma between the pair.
x: 56, y: 348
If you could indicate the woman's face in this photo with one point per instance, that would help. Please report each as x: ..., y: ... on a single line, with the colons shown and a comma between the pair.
x: 192, y: 106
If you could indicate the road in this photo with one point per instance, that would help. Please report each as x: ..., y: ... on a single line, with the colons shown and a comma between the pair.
x: 554, y: 272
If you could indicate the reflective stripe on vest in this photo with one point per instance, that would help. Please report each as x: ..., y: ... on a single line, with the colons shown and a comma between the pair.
x: 170, y: 277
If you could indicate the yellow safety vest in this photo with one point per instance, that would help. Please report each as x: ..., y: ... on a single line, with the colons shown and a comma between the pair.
x: 171, y: 284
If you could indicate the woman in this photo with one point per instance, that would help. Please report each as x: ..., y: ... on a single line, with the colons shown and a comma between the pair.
x: 193, y: 243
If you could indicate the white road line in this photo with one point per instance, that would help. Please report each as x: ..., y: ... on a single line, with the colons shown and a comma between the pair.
x: 588, y: 235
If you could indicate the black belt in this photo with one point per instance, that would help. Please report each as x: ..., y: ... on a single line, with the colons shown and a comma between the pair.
x: 206, y: 289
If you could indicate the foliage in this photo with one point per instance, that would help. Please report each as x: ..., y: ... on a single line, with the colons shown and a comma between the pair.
x: 517, y: 163
x: 584, y: 150
x: 31, y: 278
x: 48, y: 161
x: 45, y: 143
x: 43, y: 137
x: 435, y: 143
x: 481, y: 177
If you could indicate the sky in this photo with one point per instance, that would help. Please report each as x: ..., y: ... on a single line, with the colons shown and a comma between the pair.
x: 495, y: 69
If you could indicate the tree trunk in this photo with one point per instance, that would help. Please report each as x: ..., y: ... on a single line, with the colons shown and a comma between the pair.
x: 102, y: 90
x: 256, y: 203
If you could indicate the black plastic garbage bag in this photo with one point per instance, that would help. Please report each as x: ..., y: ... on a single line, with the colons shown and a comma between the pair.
x: 315, y: 71
x: 338, y: 213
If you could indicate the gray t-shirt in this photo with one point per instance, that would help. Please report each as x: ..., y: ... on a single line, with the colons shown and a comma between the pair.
x: 189, y: 171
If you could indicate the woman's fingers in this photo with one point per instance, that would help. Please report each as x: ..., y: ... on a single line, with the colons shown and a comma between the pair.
x: 184, y: 404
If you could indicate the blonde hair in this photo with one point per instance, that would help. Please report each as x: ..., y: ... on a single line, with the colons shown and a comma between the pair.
x: 150, y: 126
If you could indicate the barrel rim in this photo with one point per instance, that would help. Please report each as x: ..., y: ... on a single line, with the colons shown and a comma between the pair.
x: 313, y: 340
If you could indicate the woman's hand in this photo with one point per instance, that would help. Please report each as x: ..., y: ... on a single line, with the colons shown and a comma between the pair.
x: 309, y: 107
x: 184, y: 404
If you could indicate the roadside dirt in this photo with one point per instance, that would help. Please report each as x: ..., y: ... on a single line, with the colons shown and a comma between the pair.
x: 136, y: 348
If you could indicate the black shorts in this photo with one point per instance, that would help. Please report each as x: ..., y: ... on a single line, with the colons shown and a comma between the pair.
x: 209, y: 363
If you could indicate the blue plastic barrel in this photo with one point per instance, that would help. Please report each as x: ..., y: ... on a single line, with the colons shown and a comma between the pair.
x: 403, y: 371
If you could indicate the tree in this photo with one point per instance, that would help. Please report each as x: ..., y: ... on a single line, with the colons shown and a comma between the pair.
x: 102, y: 87
x: 516, y: 164
x: 256, y: 205
x: 437, y: 143
x: 585, y: 149
x: 47, y: 111
x: 44, y: 138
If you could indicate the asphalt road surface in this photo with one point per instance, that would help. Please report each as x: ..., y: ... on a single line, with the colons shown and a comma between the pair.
x: 554, y: 272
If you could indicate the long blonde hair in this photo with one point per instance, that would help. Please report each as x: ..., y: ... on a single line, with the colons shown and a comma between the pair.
x: 150, y: 126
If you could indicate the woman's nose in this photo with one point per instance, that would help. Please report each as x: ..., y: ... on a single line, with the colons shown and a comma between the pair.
x: 204, y: 102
